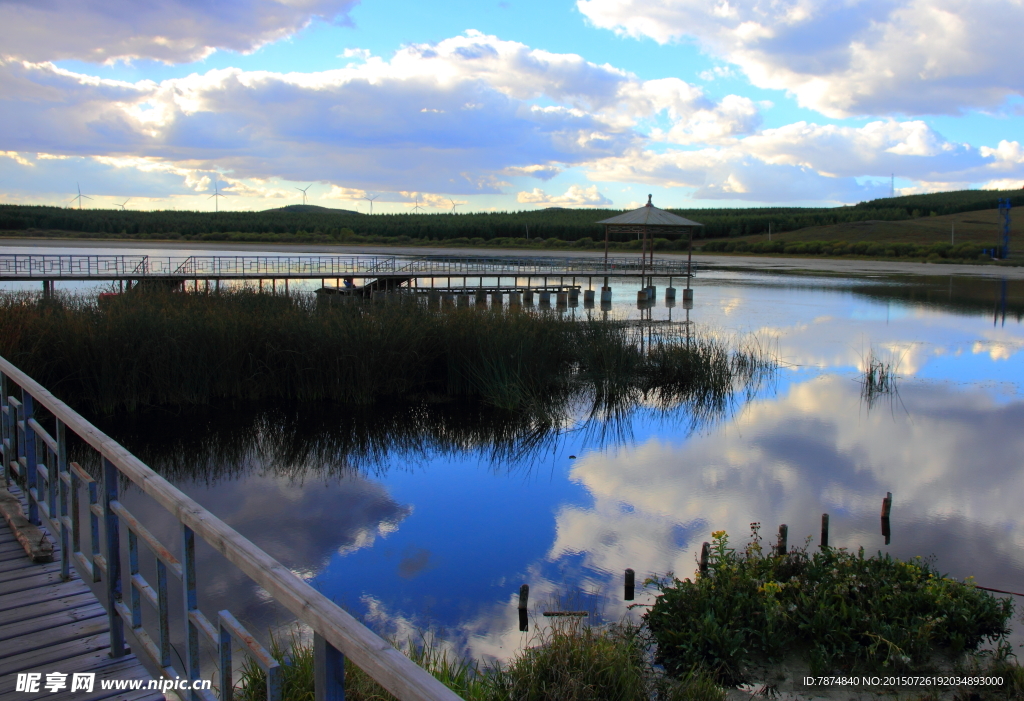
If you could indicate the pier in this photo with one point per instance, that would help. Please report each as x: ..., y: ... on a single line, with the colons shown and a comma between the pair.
x: 98, y: 540
x: 373, y: 273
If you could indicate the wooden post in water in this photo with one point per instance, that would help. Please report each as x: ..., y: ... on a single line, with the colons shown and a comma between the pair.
x: 705, y: 553
x: 524, y: 596
x: 783, y: 539
x: 886, y: 509
x: 824, y: 531
x: 630, y: 584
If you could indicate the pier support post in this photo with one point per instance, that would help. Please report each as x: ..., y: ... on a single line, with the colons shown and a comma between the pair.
x: 588, y: 299
x: 524, y: 596
x: 630, y: 588
x: 514, y: 299
x: 545, y: 298
x: 328, y: 671
x: 606, y: 295
x: 824, y: 531
x: 528, y: 297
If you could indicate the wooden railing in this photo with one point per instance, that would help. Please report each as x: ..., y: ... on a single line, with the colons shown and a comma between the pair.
x: 55, y: 488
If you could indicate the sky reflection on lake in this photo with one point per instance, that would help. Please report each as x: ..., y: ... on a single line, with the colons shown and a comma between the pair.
x: 442, y: 534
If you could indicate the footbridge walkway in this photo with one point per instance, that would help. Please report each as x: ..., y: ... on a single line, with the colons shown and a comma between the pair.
x: 99, y: 542
x: 53, y: 268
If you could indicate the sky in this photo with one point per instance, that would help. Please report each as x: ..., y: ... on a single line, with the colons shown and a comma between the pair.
x: 505, y: 105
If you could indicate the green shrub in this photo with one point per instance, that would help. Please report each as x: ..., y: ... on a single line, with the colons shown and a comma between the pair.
x: 840, y: 610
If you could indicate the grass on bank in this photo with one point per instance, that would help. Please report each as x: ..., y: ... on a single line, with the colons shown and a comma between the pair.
x: 841, y: 612
x: 569, y: 662
x: 173, y: 349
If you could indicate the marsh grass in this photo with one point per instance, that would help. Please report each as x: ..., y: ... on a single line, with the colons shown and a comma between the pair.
x: 837, y: 610
x: 157, y: 348
x: 879, y: 378
x: 569, y: 662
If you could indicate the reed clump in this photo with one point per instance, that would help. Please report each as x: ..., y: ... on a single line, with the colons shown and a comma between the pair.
x: 569, y: 662
x: 158, y: 348
x: 835, y: 609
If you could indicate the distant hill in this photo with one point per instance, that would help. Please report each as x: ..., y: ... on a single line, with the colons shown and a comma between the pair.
x: 315, y: 224
x: 310, y: 209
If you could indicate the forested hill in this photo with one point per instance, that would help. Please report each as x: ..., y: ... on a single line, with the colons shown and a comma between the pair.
x: 563, y: 224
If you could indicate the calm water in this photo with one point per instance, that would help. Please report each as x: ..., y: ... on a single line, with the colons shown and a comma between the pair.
x: 432, y: 518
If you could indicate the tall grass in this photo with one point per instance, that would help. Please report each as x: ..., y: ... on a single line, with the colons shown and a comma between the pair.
x: 570, y: 662
x: 173, y: 349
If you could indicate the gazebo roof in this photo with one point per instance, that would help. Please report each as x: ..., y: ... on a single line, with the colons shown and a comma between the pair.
x: 649, y: 215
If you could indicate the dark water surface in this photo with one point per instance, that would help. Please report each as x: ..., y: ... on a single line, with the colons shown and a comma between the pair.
x: 432, y: 516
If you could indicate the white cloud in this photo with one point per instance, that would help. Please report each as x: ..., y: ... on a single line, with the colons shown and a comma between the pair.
x: 867, y: 57
x: 805, y: 161
x: 575, y: 196
x: 173, y: 31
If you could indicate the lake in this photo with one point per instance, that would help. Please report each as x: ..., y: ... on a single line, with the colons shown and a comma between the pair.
x: 431, y: 517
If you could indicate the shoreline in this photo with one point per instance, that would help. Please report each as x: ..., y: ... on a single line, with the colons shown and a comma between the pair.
x: 771, y: 264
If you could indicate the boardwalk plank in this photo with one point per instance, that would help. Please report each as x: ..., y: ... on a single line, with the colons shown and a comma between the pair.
x: 49, y: 593
x: 51, y: 637
x: 44, y: 568
x: 53, y: 655
x: 14, y: 565
x: 39, y: 623
x: 41, y: 579
x: 44, y: 608
x: 7, y: 546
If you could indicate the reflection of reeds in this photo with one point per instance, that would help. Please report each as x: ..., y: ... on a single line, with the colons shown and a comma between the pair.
x: 173, y: 349
x: 879, y: 378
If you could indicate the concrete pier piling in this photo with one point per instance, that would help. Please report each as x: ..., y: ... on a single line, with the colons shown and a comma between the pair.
x: 606, y: 295
x: 497, y: 299
x: 588, y: 298
x: 528, y: 298
x: 481, y: 297
x: 670, y: 294
x: 545, y: 298
x: 514, y: 299
x: 562, y: 298
x: 462, y: 300
x: 641, y: 297
x: 574, y: 296
x: 688, y: 295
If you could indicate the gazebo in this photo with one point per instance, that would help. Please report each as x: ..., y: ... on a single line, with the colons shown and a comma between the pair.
x: 647, y: 222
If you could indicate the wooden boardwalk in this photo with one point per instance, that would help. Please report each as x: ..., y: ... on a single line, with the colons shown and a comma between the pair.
x: 48, y: 625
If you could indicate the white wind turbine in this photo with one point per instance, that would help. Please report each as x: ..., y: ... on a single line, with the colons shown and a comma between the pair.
x: 371, y: 201
x: 122, y: 204
x: 80, y: 196
x: 454, y: 204
x: 417, y: 207
x: 215, y: 196
x: 303, y: 191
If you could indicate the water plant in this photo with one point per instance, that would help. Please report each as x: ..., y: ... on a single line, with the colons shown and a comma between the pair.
x: 571, y: 661
x: 838, y: 610
x: 157, y: 348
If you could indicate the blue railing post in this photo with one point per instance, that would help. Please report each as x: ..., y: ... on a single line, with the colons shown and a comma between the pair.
x: 191, y: 600
x: 63, y: 516
x: 328, y: 670
x: 28, y: 451
x: 112, y: 531
x: 6, y: 441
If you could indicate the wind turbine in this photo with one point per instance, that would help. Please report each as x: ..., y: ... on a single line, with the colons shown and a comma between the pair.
x: 216, y: 194
x: 417, y: 206
x: 371, y: 201
x: 303, y: 191
x: 454, y: 205
x: 122, y: 204
x: 80, y: 196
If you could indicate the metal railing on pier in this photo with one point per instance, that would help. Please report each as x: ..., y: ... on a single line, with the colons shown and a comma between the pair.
x: 42, y: 267
x: 57, y: 490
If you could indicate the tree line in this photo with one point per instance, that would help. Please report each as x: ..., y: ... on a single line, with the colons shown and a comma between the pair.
x: 318, y: 223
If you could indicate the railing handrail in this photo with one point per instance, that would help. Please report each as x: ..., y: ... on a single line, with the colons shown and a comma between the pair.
x: 74, y: 266
x: 378, y: 658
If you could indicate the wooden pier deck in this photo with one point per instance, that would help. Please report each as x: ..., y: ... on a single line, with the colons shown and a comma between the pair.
x: 48, y: 625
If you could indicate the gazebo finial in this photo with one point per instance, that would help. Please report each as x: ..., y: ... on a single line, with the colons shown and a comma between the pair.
x: 649, y: 201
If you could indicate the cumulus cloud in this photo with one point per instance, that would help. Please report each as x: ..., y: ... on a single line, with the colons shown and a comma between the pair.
x: 871, y: 57
x: 575, y: 196
x: 447, y: 117
x: 173, y: 31
x: 804, y: 161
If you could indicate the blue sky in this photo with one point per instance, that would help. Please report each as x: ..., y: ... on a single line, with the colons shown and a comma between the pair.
x: 506, y: 105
